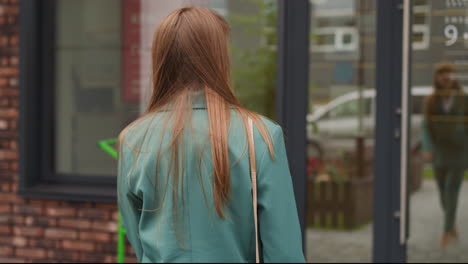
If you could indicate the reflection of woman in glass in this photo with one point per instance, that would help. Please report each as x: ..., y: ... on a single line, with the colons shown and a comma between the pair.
x: 443, y: 142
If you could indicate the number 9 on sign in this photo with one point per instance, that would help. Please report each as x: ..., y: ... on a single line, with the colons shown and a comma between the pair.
x: 451, y: 33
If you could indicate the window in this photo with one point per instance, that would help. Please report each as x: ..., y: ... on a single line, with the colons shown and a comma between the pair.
x: 334, y: 26
x: 421, y: 24
x: 73, y: 97
x: 350, y: 109
x: 90, y: 105
x: 85, y: 75
x: 330, y: 39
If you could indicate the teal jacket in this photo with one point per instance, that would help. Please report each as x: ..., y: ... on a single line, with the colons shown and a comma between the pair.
x: 446, y: 136
x: 200, y: 235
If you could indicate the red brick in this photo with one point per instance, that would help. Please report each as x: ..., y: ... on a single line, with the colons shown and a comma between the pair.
x: 14, y: 40
x: 110, y: 259
x: 6, y: 220
x: 14, y: 166
x: 4, y: 41
x: 78, y: 245
x: 104, y: 226
x: 5, y: 208
x: 3, y: 82
x: 95, y: 236
x: 5, y: 240
x: 9, y: 113
x: 70, y: 212
x: 31, y: 253
x: 10, y: 198
x: 50, y: 203
x: 13, y: 125
x: 3, y: 166
x: 8, y: 71
x: 5, y: 188
x: 28, y: 209
x: 14, y: 84
x: 115, y: 216
x: 5, y: 229
x: 6, y: 251
x: 62, y: 255
x: 129, y: 250
x: 107, y: 206
x: 28, y: 231
x: 92, y: 258
x: 93, y: 213
x: 11, y: 260
x: 59, y: 233
x: 44, y: 243
x: 8, y: 155
x: 36, y: 202
x: 9, y: 92
x: 4, y: 143
x: 131, y: 260
x: 42, y: 221
x: 76, y: 205
x: 4, y: 124
x: 18, y: 220
x: 14, y: 60
x: 19, y: 241
x: 74, y: 223
x: 109, y: 248
x: 4, y: 102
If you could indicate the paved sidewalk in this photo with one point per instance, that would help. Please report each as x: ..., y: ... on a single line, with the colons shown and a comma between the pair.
x: 423, y: 246
x: 427, y: 223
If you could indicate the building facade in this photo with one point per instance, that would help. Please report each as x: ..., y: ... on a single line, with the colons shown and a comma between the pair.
x: 41, y: 230
x: 331, y: 72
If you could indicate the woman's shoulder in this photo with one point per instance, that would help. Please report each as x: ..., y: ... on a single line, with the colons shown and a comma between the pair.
x: 143, y: 128
x: 273, y: 128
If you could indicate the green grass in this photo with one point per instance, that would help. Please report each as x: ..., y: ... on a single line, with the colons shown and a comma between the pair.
x: 428, y: 173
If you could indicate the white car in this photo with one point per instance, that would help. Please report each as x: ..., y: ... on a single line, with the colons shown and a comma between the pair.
x: 333, y: 128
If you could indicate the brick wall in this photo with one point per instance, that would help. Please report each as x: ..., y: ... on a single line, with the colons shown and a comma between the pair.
x: 38, y: 230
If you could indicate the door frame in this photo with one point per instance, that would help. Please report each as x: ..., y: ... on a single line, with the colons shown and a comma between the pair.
x: 390, y: 205
x: 292, y: 93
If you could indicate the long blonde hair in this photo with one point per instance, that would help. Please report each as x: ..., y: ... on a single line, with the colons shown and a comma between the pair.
x: 190, y: 53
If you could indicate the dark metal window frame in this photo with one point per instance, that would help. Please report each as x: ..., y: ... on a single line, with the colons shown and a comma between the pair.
x: 37, y: 176
x: 292, y: 93
x: 387, y: 153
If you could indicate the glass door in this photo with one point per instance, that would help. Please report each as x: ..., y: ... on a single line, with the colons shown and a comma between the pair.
x: 436, y: 155
x: 340, y: 131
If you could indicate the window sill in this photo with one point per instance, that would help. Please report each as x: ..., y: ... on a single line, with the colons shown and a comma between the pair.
x: 69, y: 192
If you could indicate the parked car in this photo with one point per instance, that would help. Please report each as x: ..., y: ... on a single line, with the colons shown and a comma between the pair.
x: 336, y: 127
x: 333, y: 127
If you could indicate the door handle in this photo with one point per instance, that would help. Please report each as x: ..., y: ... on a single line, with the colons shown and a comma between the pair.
x: 406, y: 45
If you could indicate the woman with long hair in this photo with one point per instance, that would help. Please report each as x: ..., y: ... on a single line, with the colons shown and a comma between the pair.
x: 444, y: 142
x: 187, y: 185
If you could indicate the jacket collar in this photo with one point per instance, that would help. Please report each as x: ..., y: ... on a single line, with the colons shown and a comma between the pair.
x: 198, y: 100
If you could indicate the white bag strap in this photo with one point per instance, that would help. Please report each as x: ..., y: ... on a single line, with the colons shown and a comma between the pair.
x: 253, y: 175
